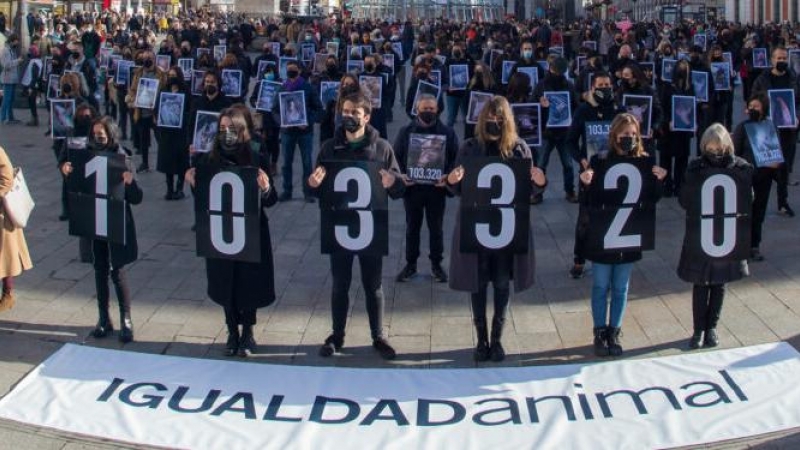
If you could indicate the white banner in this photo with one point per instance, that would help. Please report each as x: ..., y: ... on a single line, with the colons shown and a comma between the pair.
x: 194, y: 403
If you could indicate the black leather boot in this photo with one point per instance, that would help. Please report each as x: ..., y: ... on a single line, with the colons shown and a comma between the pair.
x: 600, y: 341
x: 497, y: 351
x: 232, y: 345
x: 482, y: 349
x: 614, y: 347
x: 124, y: 298
x: 333, y: 344
x: 104, y: 325
x: 247, y: 344
x: 695, y: 340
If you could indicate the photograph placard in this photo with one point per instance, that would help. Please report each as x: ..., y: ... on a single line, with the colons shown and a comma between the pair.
x: 667, y: 67
x: 354, y: 53
x: 170, y: 110
x: 355, y: 67
x: 206, y: 126
x: 782, y: 109
x: 528, y: 117
x: 459, y: 77
x: 308, y: 51
x: 283, y: 62
x: 592, y: 45
x: 397, y: 48
x: 700, y: 85
x: 641, y: 107
x: 760, y: 59
x: 794, y: 61
x: 436, y: 77
x: 53, y: 90
x: 533, y: 73
x: 426, y: 158
x: 477, y: 100
x: 328, y: 91
x: 320, y: 62
x: 596, y: 138
x: 262, y: 67
x: 146, y: 93
x: 388, y: 61
x: 373, y: 86
x: 163, y: 62
x: 560, y: 109
x: 123, y: 72
x: 62, y: 118
x: 684, y: 113
x: 332, y: 48
x: 700, y: 40
x: 267, y: 92
x: 232, y: 82
x: 506, y: 71
x: 721, y: 75
x: 763, y: 137
x: 197, y: 81
x: 187, y: 66
x: 293, y: 109
x: 219, y: 53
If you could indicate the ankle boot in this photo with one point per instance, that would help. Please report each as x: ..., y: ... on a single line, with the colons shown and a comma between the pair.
x: 232, y: 345
x: 614, y: 347
x: 694, y: 341
x: 711, y: 339
x: 482, y: 349
x: 497, y: 351
x: 247, y: 344
x: 332, y: 344
x: 104, y: 325
x: 600, y: 341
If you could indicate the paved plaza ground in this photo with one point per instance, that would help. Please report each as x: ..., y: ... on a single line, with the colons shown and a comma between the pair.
x: 429, y: 324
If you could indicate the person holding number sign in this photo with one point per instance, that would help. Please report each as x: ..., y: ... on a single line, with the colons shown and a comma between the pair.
x: 240, y: 287
x: 111, y: 258
x: 709, y: 273
x: 425, y: 195
x: 496, y: 135
x: 355, y: 140
x: 612, y: 270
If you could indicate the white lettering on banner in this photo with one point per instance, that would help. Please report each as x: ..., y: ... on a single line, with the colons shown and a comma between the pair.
x: 505, y: 199
x: 366, y: 225
x: 238, y: 238
x: 193, y: 403
x: 98, y: 166
x: 728, y: 243
x: 614, y: 238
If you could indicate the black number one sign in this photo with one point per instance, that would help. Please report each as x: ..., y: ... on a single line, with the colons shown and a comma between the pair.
x: 622, y: 213
x: 495, y: 205
x: 354, y: 209
x: 719, y: 217
x: 228, y: 213
x: 96, y: 195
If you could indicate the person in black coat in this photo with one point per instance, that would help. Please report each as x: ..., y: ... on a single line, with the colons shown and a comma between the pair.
x: 240, y: 287
x: 709, y: 275
x: 673, y: 146
x: 111, y: 258
x: 425, y: 200
x: 173, y: 143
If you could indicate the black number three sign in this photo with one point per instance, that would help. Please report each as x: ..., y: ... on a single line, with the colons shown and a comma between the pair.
x: 495, y: 205
x: 96, y: 195
x: 228, y: 211
x: 354, y: 209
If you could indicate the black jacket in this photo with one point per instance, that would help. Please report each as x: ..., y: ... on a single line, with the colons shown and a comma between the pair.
x: 401, y: 149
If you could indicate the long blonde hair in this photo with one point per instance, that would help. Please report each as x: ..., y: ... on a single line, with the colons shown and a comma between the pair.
x: 621, y: 121
x: 498, y: 107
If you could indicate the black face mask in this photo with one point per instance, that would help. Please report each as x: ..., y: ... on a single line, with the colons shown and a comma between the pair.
x: 457, y: 55
x: 350, y: 124
x: 185, y: 52
x: 369, y: 67
x: 493, y: 129
x: 82, y: 126
x: 292, y: 73
x: 427, y: 117
x: 98, y: 146
x: 331, y: 69
x: 754, y: 115
x: 76, y: 55
x: 211, y: 90
x: 347, y: 90
x: 627, y: 144
x: 782, y: 66
x: 67, y: 89
x: 603, y: 96
x: 173, y: 81
x: 148, y: 63
x: 718, y: 160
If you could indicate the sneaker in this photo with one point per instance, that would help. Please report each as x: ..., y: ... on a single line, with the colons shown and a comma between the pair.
x: 572, y: 197
x: 438, y: 273
x: 285, y: 196
x: 785, y: 210
x: 755, y: 255
x: 384, y: 348
x: 408, y: 271
x: 576, y: 271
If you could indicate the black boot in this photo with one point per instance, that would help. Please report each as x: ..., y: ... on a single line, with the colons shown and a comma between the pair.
x: 497, y: 351
x: 247, y: 344
x: 711, y: 339
x: 614, y: 348
x: 694, y: 341
x: 104, y: 325
x: 124, y: 298
x: 600, y: 341
x: 482, y: 349
x: 232, y: 344
x: 333, y: 344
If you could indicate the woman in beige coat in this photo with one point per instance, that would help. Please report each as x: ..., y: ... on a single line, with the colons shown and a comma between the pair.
x: 14, y: 257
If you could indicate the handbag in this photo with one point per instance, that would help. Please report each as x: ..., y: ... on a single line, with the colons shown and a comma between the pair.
x: 18, y: 201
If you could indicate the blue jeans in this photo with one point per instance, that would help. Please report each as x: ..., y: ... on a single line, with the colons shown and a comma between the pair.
x: 613, y: 277
x: 7, y: 112
x: 454, y: 104
x: 565, y: 157
x: 288, y: 143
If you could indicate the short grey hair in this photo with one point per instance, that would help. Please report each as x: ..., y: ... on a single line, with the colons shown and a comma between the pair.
x: 717, y: 134
x: 427, y: 97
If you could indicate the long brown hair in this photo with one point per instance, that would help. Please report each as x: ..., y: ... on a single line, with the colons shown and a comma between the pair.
x: 240, y: 123
x: 498, y: 107
x: 621, y: 121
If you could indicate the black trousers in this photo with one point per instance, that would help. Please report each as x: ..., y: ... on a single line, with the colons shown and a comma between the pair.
x: 122, y: 119
x: 342, y: 271
x: 707, y: 305
x: 674, y: 157
x: 494, y: 268
x: 32, y: 105
x: 142, y: 129
x: 235, y: 317
x: 102, y: 270
x: 762, y: 185
x: 581, y: 232
x: 788, y: 140
x: 172, y: 186
x: 427, y: 202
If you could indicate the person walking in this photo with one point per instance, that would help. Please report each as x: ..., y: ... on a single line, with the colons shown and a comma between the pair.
x: 14, y: 256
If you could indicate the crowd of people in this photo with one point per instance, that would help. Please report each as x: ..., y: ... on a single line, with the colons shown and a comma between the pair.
x: 369, y: 67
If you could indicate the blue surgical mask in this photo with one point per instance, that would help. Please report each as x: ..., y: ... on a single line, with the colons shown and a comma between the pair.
x: 269, y: 76
x: 527, y: 54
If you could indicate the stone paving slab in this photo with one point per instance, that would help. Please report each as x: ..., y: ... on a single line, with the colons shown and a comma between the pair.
x: 429, y: 324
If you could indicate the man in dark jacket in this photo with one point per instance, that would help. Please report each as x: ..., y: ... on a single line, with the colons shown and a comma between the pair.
x: 357, y: 141
x: 426, y: 197
x: 780, y: 77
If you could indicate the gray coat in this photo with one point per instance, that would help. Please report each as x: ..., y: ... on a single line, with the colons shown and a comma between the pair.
x: 10, y: 62
x: 464, y: 266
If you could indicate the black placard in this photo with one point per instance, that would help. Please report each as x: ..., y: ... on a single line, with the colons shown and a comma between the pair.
x: 354, y: 209
x: 622, y: 213
x: 228, y: 211
x: 718, y: 216
x: 495, y: 205
x: 96, y: 195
